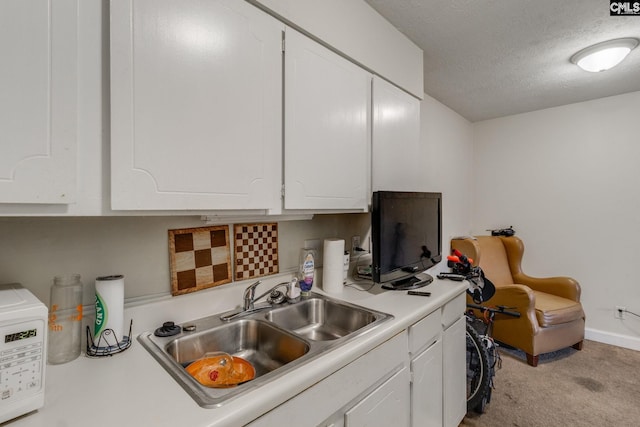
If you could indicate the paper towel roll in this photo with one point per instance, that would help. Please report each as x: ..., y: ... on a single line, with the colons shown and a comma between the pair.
x: 109, y: 308
x: 332, y: 271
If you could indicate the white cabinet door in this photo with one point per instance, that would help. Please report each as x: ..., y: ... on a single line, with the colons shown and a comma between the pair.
x: 388, y: 405
x: 196, y: 105
x: 38, y: 101
x: 454, y: 373
x: 426, y: 387
x: 326, y: 140
x: 396, y: 163
x: 324, y: 403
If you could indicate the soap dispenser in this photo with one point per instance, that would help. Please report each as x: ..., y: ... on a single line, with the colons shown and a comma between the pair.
x: 307, y: 271
x: 293, y: 291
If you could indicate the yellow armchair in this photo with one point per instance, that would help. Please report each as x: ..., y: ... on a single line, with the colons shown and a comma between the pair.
x: 551, y: 316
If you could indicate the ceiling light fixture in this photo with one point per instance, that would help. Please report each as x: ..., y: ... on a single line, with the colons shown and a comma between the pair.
x: 605, y: 55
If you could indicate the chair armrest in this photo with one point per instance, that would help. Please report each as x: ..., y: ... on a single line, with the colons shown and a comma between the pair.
x: 564, y: 287
x: 518, y: 298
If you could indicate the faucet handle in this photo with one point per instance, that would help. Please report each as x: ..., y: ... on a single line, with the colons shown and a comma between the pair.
x: 252, y: 287
x: 275, y: 297
x: 249, y: 294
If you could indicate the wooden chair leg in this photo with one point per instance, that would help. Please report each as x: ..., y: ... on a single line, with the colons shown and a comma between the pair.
x: 578, y: 345
x: 533, y: 360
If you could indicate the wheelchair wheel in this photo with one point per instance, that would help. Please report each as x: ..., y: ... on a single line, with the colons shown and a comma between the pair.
x: 478, y: 371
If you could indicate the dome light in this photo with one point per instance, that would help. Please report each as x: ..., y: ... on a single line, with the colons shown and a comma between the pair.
x: 605, y: 55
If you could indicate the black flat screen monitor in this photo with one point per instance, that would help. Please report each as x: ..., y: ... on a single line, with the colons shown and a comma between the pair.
x: 406, y: 233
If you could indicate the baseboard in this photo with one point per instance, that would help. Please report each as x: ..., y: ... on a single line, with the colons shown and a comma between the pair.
x: 611, y: 338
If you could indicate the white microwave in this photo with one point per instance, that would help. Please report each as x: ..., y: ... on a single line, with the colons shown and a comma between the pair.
x: 23, y: 351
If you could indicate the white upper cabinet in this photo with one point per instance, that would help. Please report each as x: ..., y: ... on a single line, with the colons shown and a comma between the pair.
x: 359, y: 32
x: 196, y: 105
x: 396, y: 163
x: 327, y: 128
x: 38, y: 101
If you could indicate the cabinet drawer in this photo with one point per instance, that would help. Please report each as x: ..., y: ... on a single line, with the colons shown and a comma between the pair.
x: 452, y: 310
x: 424, y: 332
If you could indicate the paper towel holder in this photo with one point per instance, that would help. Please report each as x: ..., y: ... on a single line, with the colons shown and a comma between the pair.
x: 107, y: 344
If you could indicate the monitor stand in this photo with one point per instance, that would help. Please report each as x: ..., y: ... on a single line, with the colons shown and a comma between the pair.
x: 413, y: 282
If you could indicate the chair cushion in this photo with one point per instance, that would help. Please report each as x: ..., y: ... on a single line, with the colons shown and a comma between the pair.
x: 554, y: 310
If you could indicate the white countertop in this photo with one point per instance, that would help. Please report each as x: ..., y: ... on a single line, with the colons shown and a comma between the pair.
x: 132, y: 389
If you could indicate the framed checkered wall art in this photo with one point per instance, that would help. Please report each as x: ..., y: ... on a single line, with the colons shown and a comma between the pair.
x: 199, y: 258
x: 256, y: 250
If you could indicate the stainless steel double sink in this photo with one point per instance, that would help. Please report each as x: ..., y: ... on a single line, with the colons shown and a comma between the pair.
x: 275, y: 340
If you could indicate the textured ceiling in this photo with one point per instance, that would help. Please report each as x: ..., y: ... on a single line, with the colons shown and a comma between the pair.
x: 493, y: 58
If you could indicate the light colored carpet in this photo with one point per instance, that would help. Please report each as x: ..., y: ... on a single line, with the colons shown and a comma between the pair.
x: 598, y: 386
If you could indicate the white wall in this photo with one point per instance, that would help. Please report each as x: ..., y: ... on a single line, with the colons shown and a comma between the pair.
x: 567, y: 179
x: 447, y: 153
x: 34, y: 250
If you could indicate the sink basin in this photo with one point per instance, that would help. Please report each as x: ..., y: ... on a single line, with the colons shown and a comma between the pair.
x: 320, y: 319
x: 266, y: 347
x: 275, y: 339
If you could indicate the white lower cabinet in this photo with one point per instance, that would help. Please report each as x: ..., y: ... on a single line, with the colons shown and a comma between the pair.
x: 425, y: 349
x: 364, y: 389
x: 438, y: 387
x: 454, y: 384
x: 454, y: 371
x: 426, y: 396
x: 416, y: 378
x: 388, y: 405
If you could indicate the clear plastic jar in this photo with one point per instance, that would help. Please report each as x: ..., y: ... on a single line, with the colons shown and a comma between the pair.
x: 65, y: 319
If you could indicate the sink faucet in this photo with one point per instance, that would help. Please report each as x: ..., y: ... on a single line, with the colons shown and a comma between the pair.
x: 249, y: 295
x: 249, y: 298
